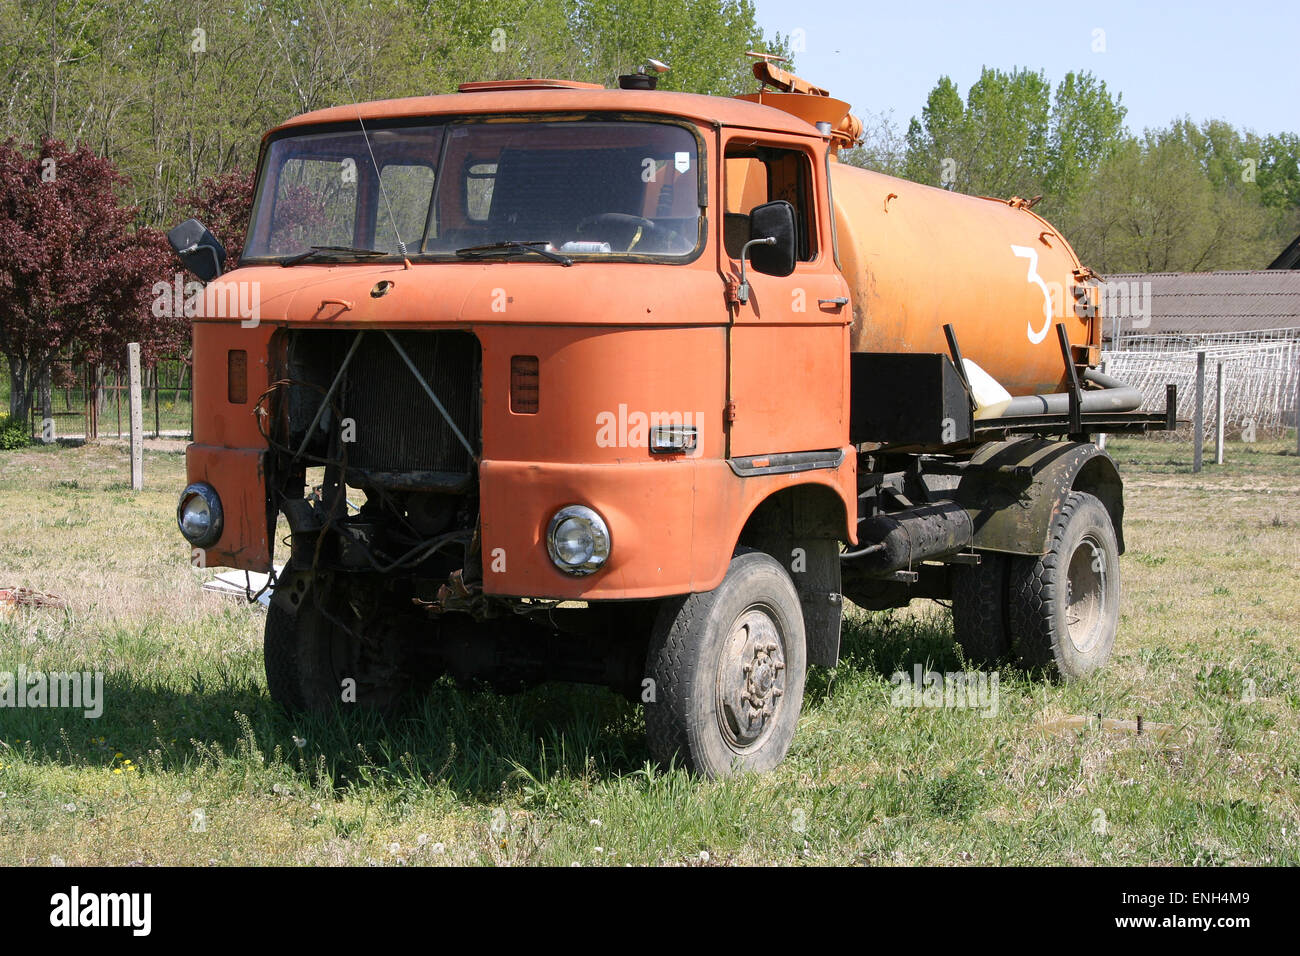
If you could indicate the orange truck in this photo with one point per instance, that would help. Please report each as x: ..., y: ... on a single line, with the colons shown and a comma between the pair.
x: 542, y: 380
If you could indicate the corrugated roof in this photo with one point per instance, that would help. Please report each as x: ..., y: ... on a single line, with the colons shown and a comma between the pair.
x: 1198, y: 302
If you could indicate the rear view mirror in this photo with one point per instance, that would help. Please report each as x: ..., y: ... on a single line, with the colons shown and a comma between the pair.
x: 773, y: 220
x: 199, y: 250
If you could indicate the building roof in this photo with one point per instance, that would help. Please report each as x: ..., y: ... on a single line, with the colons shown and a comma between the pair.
x: 1205, y: 302
x: 538, y: 98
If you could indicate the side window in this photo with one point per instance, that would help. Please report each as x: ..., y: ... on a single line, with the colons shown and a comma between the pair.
x: 758, y: 174
x: 315, y: 204
x: 410, y: 191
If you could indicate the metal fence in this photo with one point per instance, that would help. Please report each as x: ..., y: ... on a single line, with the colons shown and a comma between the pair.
x: 89, y: 402
x: 1261, y: 376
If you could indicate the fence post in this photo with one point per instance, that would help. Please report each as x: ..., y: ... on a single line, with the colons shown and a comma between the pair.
x: 157, y: 428
x: 137, y: 425
x: 1101, y: 438
x: 1198, y: 426
x: 1218, y: 416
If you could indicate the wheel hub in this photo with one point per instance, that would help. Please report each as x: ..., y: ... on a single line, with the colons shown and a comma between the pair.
x: 1086, y: 594
x: 751, y: 678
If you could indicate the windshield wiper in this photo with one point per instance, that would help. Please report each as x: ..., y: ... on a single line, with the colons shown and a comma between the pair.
x: 537, y: 246
x: 327, y: 251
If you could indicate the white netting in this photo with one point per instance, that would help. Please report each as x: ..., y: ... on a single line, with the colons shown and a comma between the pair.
x: 1261, y: 375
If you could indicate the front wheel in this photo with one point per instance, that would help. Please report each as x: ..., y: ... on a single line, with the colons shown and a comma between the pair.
x: 727, y: 669
x: 1065, y: 605
x: 330, y: 653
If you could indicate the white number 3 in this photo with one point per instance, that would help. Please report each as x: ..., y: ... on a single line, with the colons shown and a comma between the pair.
x: 1024, y: 252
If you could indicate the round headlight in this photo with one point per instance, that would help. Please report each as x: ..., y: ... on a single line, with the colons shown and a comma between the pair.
x: 578, y: 540
x: 199, y: 514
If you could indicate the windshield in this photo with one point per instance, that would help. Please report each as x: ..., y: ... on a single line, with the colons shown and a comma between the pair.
x: 585, y: 189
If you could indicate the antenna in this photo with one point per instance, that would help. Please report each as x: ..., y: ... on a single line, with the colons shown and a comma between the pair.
x: 388, y: 206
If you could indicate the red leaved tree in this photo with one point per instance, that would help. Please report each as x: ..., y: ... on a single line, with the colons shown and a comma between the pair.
x: 74, y: 270
x: 223, y: 204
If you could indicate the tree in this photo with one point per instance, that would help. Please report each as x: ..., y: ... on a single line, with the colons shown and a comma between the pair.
x: 1152, y: 207
x: 704, y: 41
x: 1014, y: 135
x: 882, y: 147
x: 223, y: 204
x: 73, y: 269
x: 1086, y: 127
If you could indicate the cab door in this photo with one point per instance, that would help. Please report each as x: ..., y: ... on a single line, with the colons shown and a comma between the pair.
x: 788, y: 343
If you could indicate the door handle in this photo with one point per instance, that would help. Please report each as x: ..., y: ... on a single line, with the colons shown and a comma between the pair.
x: 837, y: 301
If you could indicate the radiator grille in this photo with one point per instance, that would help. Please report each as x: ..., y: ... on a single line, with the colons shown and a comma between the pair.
x: 397, y: 426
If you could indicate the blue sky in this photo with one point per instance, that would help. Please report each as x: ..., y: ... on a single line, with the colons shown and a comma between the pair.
x: 1226, y: 60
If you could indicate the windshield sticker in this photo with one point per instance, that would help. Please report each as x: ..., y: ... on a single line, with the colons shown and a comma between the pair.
x: 683, y: 162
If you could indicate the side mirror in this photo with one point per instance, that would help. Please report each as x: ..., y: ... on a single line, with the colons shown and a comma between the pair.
x: 199, y: 250
x: 773, y: 220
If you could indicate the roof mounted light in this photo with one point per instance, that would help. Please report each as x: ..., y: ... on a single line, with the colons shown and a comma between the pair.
x: 642, y: 79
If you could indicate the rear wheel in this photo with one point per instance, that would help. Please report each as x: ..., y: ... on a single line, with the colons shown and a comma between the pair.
x: 979, y: 610
x: 1065, y: 604
x: 728, y: 672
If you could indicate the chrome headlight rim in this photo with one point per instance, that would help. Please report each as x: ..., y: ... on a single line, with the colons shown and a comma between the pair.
x: 210, y: 498
x: 599, y: 529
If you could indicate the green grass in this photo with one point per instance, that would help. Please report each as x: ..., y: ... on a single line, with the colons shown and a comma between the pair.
x: 1209, y: 643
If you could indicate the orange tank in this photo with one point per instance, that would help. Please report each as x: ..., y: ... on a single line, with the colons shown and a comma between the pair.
x: 917, y: 258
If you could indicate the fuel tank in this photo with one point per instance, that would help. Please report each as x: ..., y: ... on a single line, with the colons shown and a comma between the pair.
x: 917, y: 258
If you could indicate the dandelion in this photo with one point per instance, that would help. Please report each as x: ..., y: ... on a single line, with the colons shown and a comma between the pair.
x: 70, y: 807
x: 422, y: 839
x: 438, y: 849
x: 394, y: 848
x: 56, y: 860
x: 299, y: 742
x: 704, y: 856
x: 595, y: 823
x: 117, y: 770
x: 599, y: 849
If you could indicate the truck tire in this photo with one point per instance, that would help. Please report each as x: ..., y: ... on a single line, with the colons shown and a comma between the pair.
x: 313, y: 663
x: 728, y: 670
x: 979, y: 610
x: 1065, y: 605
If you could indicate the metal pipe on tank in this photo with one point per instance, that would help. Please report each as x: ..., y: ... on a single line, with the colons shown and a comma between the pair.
x: 1112, y: 396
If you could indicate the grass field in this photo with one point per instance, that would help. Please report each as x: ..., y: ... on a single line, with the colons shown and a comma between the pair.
x: 191, y: 764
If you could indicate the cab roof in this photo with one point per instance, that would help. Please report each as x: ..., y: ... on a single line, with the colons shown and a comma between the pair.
x: 558, y: 96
